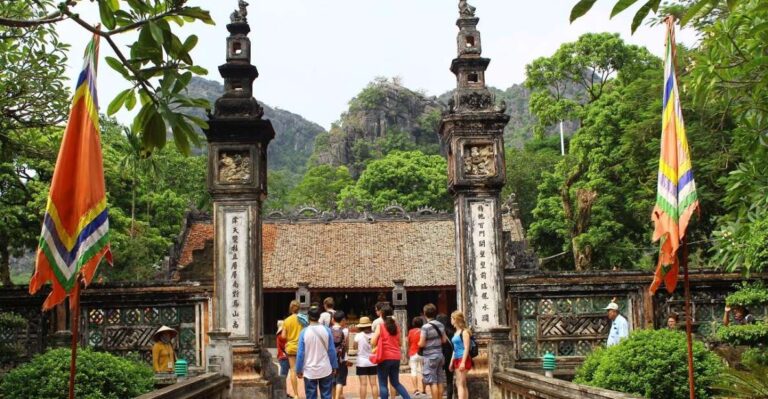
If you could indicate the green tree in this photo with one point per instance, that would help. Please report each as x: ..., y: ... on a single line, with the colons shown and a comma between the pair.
x: 577, y: 75
x: 524, y: 172
x: 321, y: 186
x: 606, y: 186
x: 156, y: 64
x: 135, y: 161
x: 590, y: 214
x: 30, y: 59
x: 410, y: 178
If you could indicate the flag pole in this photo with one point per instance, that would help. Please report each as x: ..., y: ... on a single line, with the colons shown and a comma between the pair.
x: 75, y: 309
x: 688, y: 320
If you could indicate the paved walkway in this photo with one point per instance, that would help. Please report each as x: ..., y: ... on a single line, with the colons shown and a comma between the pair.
x: 351, y: 391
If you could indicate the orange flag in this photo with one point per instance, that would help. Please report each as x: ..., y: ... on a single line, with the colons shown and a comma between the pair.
x: 75, y: 234
x: 676, y: 198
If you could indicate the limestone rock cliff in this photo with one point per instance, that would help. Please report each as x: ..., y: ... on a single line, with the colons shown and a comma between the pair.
x: 295, y: 138
x: 385, y: 116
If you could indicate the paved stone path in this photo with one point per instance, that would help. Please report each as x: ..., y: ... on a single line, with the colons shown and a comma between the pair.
x: 351, y: 391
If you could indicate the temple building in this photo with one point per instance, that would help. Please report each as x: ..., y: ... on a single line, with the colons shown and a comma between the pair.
x: 352, y: 257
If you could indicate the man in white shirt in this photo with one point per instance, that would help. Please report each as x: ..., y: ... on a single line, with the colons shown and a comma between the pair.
x: 619, y: 325
x: 316, y: 360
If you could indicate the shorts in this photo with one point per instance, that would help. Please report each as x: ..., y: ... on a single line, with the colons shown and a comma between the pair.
x: 467, y: 364
x: 416, y: 362
x: 285, y: 366
x: 341, y: 374
x: 433, y: 370
x: 366, y: 370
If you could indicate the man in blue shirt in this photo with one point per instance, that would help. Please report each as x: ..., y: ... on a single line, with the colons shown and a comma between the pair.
x: 619, y: 325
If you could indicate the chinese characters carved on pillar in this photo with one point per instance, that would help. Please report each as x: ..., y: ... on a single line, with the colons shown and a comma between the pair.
x: 236, y: 273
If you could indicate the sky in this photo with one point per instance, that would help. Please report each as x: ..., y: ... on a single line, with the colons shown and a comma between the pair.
x: 313, y: 56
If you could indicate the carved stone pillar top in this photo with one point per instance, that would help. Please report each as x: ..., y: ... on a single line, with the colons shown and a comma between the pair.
x: 399, y: 294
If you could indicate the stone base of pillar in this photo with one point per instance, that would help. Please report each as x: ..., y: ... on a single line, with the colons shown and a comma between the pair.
x: 255, y: 376
x: 219, y: 353
x: 495, y: 353
x: 501, y: 356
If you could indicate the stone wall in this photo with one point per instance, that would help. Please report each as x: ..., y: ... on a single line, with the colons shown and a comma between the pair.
x: 562, y: 312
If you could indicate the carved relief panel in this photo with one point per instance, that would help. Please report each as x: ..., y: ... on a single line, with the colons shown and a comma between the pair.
x: 234, y: 167
x: 479, y: 160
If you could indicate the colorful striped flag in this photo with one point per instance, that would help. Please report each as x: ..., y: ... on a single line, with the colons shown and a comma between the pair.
x: 75, y: 234
x: 676, y: 200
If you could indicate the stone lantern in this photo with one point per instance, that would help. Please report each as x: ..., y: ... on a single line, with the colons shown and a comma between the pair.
x: 303, y: 296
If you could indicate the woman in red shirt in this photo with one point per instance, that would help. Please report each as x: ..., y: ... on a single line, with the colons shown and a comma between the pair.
x: 387, y: 340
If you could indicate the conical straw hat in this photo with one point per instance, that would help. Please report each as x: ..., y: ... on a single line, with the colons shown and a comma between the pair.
x: 162, y: 330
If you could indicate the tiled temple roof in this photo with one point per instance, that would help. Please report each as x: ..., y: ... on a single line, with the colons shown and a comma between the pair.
x: 349, y: 253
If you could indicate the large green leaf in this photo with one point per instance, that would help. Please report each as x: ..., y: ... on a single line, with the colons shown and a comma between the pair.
x: 154, y: 132
x: 118, y: 101
x: 640, y: 15
x: 118, y: 66
x: 197, y: 13
x: 107, y: 15
x: 581, y: 8
x: 698, y: 8
x: 621, y: 5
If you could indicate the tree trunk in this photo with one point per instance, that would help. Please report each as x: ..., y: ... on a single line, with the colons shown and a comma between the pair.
x: 133, y: 207
x: 5, y: 267
x: 582, y: 255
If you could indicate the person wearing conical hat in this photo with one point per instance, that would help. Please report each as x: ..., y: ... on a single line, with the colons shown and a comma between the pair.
x: 163, y: 357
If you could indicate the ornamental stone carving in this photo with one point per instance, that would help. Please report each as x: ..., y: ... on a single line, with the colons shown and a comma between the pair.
x: 476, y: 100
x: 466, y: 10
x: 479, y: 161
x: 234, y: 167
x: 239, y: 15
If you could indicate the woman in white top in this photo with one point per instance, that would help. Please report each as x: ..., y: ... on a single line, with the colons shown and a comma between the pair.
x: 366, y: 371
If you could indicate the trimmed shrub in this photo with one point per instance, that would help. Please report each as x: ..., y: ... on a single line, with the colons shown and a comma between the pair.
x: 99, y: 376
x: 748, y: 295
x: 653, y: 364
x: 747, y: 334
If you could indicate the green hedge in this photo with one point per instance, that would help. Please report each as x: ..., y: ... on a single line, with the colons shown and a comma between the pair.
x: 99, y: 376
x: 748, y: 295
x: 653, y: 364
x: 748, y: 334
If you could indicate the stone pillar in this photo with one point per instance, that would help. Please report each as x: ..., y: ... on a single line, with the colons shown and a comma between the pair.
x: 237, y: 180
x: 400, y: 302
x: 471, y: 131
x: 219, y: 353
x: 304, y: 297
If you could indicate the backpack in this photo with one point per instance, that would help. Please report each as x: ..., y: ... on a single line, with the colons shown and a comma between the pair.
x: 473, y: 351
x: 340, y: 343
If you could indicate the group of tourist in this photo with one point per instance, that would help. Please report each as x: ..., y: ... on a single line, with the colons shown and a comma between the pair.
x: 314, y: 346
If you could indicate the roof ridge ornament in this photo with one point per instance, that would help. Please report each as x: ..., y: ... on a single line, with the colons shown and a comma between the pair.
x: 466, y: 10
x: 240, y: 14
